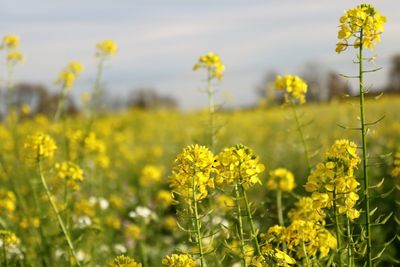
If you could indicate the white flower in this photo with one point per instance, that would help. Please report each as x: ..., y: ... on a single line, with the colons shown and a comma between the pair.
x: 103, y: 203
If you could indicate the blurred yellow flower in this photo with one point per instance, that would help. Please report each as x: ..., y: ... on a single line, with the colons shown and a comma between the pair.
x: 106, y: 48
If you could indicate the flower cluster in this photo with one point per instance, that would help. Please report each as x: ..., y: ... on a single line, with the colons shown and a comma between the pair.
x: 8, y: 239
x: 333, y: 181
x: 179, y: 260
x: 212, y: 63
x: 364, y: 23
x: 71, y: 173
x: 123, y: 261
x: 301, y: 237
x: 281, y: 179
x: 68, y: 75
x: 39, y: 146
x: 7, y: 203
x: 305, y: 210
x: 192, y: 171
x: 106, y: 48
x: 11, y: 43
x: 396, y: 165
x: 274, y: 257
x: 295, y: 88
x: 150, y: 175
x: 238, y: 165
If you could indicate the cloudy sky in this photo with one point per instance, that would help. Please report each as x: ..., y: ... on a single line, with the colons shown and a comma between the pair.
x: 159, y: 41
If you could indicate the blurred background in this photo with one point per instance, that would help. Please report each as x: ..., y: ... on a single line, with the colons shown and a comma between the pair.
x: 159, y: 42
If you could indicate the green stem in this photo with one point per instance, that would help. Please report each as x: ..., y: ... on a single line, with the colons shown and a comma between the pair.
x: 61, y: 103
x: 337, y: 228
x: 349, y: 245
x: 250, y: 215
x: 197, y: 223
x: 56, y: 211
x: 279, y: 211
x: 303, y: 140
x: 364, y: 153
x: 5, y: 252
x: 240, y: 222
x: 211, y: 110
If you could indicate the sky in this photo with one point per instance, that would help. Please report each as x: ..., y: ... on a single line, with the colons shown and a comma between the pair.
x: 159, y: 42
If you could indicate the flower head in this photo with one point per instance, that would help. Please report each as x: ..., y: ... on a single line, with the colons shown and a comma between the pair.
x: 39, y: 146
x: 238, y: 164
x: 294, y: 87
x: 8, y: 238
x: 10, y: 42
x: 179, y: 260
x: 106, y: 48
x: 15, y: 56
x: 66, y: 78
x: 192, y: 170
x: 212, y: 63
x: 71, y: 173
x: 281, y: 179
x: 364, y: 23
x: 123, y: 261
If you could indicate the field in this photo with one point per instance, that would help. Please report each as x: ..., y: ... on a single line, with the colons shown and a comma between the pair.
x: 288, y: 183
x: 124, y: 204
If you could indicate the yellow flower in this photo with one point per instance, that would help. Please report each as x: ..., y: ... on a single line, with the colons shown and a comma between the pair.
x: 113, y: 222
x: 192, y: 170
x: 9, y: 238
x: 150, y: 175
x: 10, y: 42
x: 238, y: 165
x: 295, y: 88
x: 212, y: 63
x: 133, y: 231
x: 15, y: 57
x: 281, y: 179
x: 66, y: 78
x: 179, y: 260
x: 164, y: 198
x: 71, y: 173
x: 123, y: 261
x: 106, y: 48
x: 75, y: 67
x: 7, y: 202
x: 396, y: 165
x: 39, y: 146
x: 364, y: 23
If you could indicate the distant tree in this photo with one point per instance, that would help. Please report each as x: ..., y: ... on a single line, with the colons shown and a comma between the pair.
x: 149, y: 98
x: 337, y: 86
x: 266, y: 92
x: 394, y: 78
x: 40, y: 99
x: 315, y: 75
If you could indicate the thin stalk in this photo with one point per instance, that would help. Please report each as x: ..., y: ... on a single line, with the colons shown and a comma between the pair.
x: 197, y: 223
x: 364, y: 152
x: 61, y: 103
x: 350, y: 257
x: 58, y: 215
x: 337, y: 228
x: 279, y: 211
x: 5, y: 252
x: 240, y: 224
x: 303, y: 140
x: 250, y: 215
x: 303, y: 245
x: 211, y: 110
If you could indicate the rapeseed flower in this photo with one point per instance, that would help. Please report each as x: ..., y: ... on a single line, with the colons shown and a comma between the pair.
x: 106, y: 48
x: 238, y: 165
x: 71, y: 173
x: 213, y: 64
x: 123, y: 261
x: 281, y: 179
x: 294, y: 87
x: 179, y: 260
x: 192, y: 171
x: 39, y: 146
x: 364, y: 23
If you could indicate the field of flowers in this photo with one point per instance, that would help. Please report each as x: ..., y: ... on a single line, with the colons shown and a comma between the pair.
x: 293, y: 185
